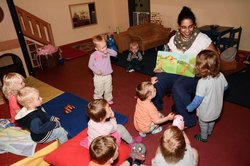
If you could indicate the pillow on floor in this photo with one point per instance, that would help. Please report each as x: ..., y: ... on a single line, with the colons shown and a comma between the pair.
x: 71, y: 153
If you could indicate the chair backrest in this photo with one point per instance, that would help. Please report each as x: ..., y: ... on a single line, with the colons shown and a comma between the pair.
x: 235, y: 36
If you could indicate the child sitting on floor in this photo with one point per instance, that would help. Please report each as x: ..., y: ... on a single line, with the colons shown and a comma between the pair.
x: 12, y: 83
x: 146, y: 117
x: 134, y: 57
x: 103, y: 122
x: 100, y: 64
x: 209, y: 92
x: 103, y: 151
x: 175, y: 149
x: 43, y: 128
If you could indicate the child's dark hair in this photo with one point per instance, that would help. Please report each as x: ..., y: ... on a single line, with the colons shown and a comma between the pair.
x: 142, y: 91
x: 96, y: 110
x: 172, y: 144
x: 207, y: 64
x: 186, y: 13
x: 102, y: 149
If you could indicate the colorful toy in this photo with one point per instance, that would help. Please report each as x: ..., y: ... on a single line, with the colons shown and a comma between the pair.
x: 138, y: 151
x: 68, y: 108
x: 111, y: 42
x: 178, y: 121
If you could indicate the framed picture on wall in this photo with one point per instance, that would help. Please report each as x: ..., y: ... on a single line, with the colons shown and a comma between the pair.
x: 82, y: 14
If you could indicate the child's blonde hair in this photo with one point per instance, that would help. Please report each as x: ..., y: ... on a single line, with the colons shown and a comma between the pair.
x: 172, y: 144
x: 207, y: 64
x: 142, y: 90
x: 9, y: 84
x: 26, y: 96
x: 96, y: 110
x: 102, y: 149
x: 98, y: 39
x: 133, y: 44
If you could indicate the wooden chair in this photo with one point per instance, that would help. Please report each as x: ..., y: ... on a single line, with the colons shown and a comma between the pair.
x: 232, y: 41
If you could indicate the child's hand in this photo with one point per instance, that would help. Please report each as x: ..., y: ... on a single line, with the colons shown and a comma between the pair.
x: 157, y: 70
x: 56, y: 119
x: 154, y: 80
x: 99, y: 72
x: 171, y: 116
x: 134, y: 56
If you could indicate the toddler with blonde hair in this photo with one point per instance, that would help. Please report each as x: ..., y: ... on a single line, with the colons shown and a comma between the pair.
x: 12, y: 83
x: 32, y: 116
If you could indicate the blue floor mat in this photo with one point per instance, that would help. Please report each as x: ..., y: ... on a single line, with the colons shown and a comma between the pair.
x: 77, y: 120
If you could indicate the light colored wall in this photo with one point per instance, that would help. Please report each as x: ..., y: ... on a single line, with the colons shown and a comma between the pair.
x: 222, y: 12
x: 115, y: 13
x: 8, y: 33
x: 57, y: 13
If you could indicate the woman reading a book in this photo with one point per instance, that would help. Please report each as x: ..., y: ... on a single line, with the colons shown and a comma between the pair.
x: 190, y: 41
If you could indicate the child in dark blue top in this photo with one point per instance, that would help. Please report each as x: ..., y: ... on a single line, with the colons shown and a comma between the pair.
x: 134, y: 58
x: 32, y: 116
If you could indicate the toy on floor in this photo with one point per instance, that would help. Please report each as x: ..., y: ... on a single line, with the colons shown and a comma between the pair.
x: 68, y: 108
x: 138, y: 151
x: 178, y: 121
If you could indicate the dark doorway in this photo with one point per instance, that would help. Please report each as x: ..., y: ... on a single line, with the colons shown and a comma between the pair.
x: 12, y: 64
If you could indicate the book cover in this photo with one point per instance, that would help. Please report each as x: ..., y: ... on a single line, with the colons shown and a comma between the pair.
x: 175, y: 63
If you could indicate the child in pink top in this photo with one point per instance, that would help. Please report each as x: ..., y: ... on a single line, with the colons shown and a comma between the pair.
x: 103, y: 122
x: 12, y: 83
x: 100, y: 64
x: 146, y: 117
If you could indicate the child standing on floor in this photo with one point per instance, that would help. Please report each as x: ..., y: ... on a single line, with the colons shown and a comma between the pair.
x: 146, y: 117
x: 209, y: 92
x: 103, y: 151
x: 134, y: 57
x: 32, y: 116
x: 100, y: 64
x: 12, y: 83
x: 175, y: 149
x: 103, y: 122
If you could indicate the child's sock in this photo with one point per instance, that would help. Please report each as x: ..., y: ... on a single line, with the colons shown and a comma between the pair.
x: 142, y: 134
x: 199, y: 138
x: 156, y: 130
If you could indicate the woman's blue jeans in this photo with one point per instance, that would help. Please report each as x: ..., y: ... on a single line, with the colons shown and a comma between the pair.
x: 183, y: 88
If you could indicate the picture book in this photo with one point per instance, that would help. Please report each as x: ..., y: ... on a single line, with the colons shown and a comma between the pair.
x: 175, y: 63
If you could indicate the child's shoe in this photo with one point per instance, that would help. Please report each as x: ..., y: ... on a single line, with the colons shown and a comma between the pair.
x: 131, y: 70
x: 156, y: 130
x: 199, y: 138
x: 142, y: 134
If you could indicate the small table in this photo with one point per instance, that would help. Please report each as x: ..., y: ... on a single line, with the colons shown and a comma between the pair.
x: 215, y: 33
